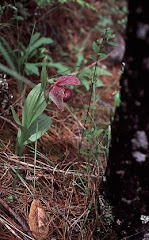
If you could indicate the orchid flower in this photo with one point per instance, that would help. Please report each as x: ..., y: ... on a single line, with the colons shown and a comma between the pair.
x: 59, y: 93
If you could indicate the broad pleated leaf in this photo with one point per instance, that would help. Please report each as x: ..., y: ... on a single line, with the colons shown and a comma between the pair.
x: 7, y: 57
x: 15, y: 116
x: 34, y: 105
x: 34, y: 38
x: 31, y: 68
x: 39, y: 43
x: 30, y: 134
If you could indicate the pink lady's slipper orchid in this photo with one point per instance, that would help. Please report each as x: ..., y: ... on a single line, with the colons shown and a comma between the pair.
x: 59, y: 93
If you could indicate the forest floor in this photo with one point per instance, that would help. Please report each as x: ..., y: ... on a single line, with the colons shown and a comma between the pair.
x: 71, y: 156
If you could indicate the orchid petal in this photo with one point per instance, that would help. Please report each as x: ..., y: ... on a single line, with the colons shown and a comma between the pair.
x: 67, y: 94
x: 67, y: 80
x: 57, y: 94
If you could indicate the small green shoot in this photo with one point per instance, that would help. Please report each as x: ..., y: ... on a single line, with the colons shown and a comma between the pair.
x: 117, y: 99
x: 10, y: 198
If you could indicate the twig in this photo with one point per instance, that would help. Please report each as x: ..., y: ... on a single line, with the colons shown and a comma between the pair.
x: 14, y: 227
x: 16, y: 217
x: 9, y: 228
x: 55, y: 169
x: 10, y: 122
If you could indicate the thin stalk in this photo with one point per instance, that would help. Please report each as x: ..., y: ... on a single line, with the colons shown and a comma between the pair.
x: 19, y: 153
x: 92, y: 93
x: 26, y: 54
x: 20, y: 84
x: 35, y: 158
x: 94, y: 88
x: 88, y: 109
x: 21, y: 179
x: 16, y: 75
x: 80, y: 127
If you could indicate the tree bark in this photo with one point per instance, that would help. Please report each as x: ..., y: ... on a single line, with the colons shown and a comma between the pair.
x: 127, y: 174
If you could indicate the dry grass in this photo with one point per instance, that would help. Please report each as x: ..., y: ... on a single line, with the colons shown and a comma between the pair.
x: 67, y: 192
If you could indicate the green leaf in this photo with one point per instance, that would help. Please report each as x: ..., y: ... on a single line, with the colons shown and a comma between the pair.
x: 34, y: 105
x: 117, y: 99
x: 21, y: 179
x: 19, y: 18
x: 85, y: 74
x: 31, y: 68
x: 102, y: 55
x: 62, y: 69
x: 101, y: 72
x: 92, y: 57
x: 7, y: 57
x: 84, y: 153
x: 99, y: 83
x: 38, y: 44
x: 100, y: 41
x: 16, y: 75
x: 80, y: 59
x: 95, y: 47
x: 112, y: 43
x: 10, y: 198
x: 98, y: 132
x: 12, y: 53
x: 15, y: 116
x: 23, y: 135
x: 44, y: 76
x: 93, y: 107
x: 86, y: 83
x: 44, y: 123
x: 19, y: 136
x: 34, y: 38
x: 85, y: 78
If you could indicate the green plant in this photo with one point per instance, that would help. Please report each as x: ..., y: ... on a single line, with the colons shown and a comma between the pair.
x: 117, y: 99
x: 34, y: 123
x: 20, y: 13
x: 28, y: 60
x: 18, y: 59
x: 86, y: 74
x: 93, y: 134
x: 113, y: 14
x: 82, y: 3
x: 32, y: 115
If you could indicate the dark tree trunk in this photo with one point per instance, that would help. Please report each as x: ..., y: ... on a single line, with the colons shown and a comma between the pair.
x: 127, y: 174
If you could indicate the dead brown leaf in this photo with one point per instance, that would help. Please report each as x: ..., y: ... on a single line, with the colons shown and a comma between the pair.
x: 38, y: 221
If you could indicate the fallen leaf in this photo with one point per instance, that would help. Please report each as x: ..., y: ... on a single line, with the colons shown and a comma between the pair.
x: 38, y: 221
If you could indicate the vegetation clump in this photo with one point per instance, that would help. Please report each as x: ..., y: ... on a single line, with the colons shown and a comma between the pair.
x: 53, y: 151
